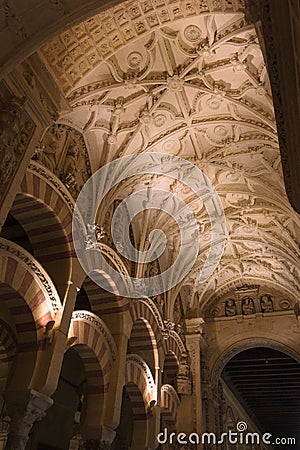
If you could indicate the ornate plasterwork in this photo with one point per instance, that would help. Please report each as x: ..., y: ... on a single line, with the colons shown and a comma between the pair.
x: 98, y: 38
x: 204, y: 97
x: 166, y: 327
x: 16, y: 131
x: 63, y: 152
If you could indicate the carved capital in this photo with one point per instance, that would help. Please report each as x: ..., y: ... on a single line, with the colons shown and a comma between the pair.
x: 184, y: 385
x: 195, y: 326
x: 24, y: 408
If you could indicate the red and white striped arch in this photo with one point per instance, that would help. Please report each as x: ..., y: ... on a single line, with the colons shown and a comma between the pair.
x: 174, y: 345
x: 8, y: 344
x: 148, y: 336
x: 140, y: 386
x: 169, y: 404
x: 103, y: 302
x: 28, y: 292
x: 171, y: 364
x: 96, y: 347
x: 44, y: 209
x: 143, y: 340
x: 167, y: 341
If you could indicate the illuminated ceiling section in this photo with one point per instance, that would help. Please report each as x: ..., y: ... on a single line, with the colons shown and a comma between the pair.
x: 186, y: 79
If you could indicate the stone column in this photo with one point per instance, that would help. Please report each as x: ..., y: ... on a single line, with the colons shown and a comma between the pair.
x: 190, y: 417
x: 195, y: 331
x: 24, y: 409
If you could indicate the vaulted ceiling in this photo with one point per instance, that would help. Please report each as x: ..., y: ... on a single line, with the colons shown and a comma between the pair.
x: 188, y: 80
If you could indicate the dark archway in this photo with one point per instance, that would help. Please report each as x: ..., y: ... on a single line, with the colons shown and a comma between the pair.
x: 267, y: 384
x: 124, y: 431
x: 59, y: 425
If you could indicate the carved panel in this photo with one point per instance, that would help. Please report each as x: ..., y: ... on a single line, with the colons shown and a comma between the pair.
x: 247, y: 301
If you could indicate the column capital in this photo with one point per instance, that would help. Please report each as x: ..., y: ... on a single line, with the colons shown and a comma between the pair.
x: 195, y: 326
x: 24, y: 408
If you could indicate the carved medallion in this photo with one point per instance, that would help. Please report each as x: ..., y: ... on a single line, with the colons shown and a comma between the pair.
x: 134, y: 60
x: 192, y: 33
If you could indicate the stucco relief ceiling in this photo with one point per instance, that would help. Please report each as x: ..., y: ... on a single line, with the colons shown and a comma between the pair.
x: 196, y: 87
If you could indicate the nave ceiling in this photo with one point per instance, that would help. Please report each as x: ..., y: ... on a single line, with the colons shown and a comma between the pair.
x: 187, y: 80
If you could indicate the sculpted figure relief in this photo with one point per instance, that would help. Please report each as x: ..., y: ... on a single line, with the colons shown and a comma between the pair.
x: 73, y: 171
x: 266, y: 303
x: 51, y: 149
x: 230, y: 308
x: 63, y: 151
x: 248, y: 306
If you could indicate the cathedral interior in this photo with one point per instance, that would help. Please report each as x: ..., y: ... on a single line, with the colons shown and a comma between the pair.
x: 215, y: 83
